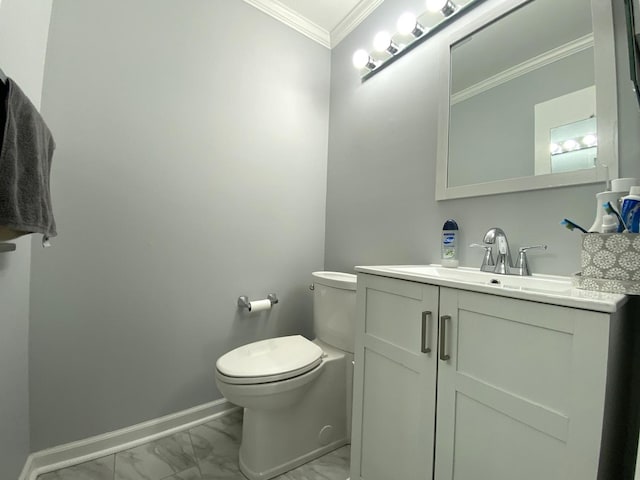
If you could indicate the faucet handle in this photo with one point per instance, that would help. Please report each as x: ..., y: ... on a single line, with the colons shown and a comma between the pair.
x: 524, y: 249
x: 488, y: 255
x: 522, y: 265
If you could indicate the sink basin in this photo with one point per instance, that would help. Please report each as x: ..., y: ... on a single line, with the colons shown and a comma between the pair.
x: 536, y: 283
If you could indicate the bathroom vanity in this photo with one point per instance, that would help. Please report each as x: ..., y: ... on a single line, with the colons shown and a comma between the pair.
x: 460, y: 377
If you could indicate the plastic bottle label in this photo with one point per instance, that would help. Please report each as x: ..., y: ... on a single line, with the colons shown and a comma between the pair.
x: 448, y: 245
x: 631, y: 215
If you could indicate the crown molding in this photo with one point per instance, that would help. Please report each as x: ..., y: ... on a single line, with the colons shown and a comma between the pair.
x: 293, y: 19
x: 534, y: 63
x: 361, y: 11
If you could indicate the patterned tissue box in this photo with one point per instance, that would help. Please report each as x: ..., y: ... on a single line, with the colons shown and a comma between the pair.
x: 610, y: 262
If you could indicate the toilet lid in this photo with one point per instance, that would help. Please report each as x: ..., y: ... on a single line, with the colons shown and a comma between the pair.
x: 274, y: 357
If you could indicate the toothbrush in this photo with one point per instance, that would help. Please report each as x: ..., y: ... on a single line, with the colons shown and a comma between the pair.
x: 612, y: 211
x: 569, y: 225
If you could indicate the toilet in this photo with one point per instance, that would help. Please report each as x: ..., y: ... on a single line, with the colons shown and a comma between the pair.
x: 296, y: 393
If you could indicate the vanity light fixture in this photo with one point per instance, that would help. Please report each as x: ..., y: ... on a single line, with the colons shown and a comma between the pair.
x: 574, y: 144
x: 447, y: 7
x: 408, y: 25
x: 412, y: 32
x: 382, y: 42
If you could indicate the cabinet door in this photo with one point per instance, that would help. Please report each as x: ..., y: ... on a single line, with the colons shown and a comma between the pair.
x: 521, y: 395
x: 395, y: 380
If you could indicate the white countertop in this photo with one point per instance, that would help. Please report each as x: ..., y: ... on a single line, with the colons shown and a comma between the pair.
x: 552, y: 289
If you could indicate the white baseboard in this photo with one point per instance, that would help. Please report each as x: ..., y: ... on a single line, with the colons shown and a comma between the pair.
x: 91, y: 448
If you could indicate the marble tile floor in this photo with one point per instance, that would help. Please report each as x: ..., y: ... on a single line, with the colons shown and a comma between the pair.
x: 206, y: 452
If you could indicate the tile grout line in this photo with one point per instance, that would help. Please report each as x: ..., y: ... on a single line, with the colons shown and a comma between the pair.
x: 195, y: 457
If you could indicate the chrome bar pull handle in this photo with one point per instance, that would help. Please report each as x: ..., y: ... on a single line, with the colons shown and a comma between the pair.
x: 426, y: 328
x: 443, y: 337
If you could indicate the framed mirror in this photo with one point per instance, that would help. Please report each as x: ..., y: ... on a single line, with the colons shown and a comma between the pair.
x: 632, y: 13
x: 528, y: 99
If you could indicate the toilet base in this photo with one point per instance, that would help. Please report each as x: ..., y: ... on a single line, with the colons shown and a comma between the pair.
x: 276, y: 441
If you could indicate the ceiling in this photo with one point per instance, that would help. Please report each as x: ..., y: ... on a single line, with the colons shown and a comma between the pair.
x: 326, y: 21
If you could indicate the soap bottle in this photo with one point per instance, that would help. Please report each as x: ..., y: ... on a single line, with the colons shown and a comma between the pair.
x: 449, y: 250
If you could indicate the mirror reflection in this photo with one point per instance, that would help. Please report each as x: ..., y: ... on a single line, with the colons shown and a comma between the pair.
x: 523, y: 95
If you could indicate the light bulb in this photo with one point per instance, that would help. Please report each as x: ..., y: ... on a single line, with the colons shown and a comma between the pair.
x: 590, y: 140
x: 570, y: 145
x: 382, y: 41
x: 361, y: 59
x: 406, y: 23
x: 555, y: 149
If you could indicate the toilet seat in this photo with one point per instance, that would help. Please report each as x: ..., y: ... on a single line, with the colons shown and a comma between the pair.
x: 270, y: 360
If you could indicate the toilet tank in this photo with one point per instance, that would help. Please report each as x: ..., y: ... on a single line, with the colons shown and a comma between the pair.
x: 334, y: 309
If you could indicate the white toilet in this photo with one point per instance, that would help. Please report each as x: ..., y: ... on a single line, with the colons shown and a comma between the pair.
x: 296, y: 393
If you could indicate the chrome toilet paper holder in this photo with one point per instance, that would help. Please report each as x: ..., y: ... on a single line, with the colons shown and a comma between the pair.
x: 244, y: 302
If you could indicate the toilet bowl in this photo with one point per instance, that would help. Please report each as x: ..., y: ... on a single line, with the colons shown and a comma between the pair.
x: 296, y: 393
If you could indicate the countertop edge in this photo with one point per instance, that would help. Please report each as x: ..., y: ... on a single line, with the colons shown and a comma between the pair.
x: 584, y: 299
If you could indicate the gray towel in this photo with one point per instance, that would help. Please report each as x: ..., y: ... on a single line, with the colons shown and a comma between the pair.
x: 25, y: 162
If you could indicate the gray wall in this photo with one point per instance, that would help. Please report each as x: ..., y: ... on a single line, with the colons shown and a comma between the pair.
x: 191, y: 169
x: 14, y: 330
x: 24, y: 27
x: 382, y: 153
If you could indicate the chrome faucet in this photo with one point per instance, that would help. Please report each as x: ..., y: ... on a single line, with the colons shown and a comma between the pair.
x: 503, y: 264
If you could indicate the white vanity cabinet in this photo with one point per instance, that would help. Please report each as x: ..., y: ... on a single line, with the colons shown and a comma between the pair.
x: 510, y: 389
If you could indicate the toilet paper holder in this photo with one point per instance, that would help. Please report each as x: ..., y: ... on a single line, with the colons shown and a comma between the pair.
x: 244, y: 302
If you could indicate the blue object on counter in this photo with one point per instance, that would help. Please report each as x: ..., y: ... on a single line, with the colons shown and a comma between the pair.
x: 631, y: 210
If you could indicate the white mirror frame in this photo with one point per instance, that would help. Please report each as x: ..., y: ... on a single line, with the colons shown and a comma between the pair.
x: 606, y: 106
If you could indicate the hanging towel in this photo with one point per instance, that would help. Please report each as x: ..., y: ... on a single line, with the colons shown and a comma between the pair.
x: 26, y: 151
x: 6, y: 233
